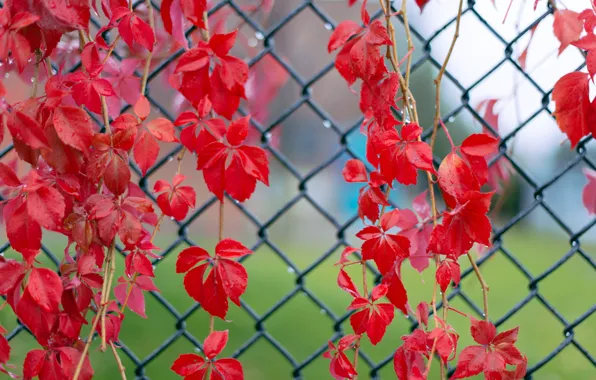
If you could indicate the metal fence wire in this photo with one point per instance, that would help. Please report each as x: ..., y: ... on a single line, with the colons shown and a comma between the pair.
x: 305, y: 97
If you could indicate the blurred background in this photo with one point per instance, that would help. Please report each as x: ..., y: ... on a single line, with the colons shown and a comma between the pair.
x: 541, y: 269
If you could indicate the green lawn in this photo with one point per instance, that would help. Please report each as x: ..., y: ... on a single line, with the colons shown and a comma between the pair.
x: 302, y: 327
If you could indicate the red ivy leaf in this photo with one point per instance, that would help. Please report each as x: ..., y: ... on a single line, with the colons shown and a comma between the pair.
x: 45, y: 288
x: 567, y: 27
x: 574, y: 113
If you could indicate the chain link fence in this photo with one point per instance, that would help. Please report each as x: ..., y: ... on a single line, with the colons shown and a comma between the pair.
x: 275, y: 40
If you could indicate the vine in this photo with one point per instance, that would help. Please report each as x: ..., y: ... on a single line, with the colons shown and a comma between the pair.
x: 72, y: 175
x: 396, y: 151
x: 79, y: 180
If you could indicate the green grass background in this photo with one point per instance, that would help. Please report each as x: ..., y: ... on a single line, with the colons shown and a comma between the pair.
x: 302, y: 327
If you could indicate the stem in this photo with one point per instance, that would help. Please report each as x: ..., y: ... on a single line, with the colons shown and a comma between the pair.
x: 36, y: 74
x: 111, y: 49
x: 483, y: 283
x: 148, y: 60
x: 105, y: 297
x: 356, y: 353
x: 221, y: 219
x: 439, y: 77
x: 430, y: 360
x: 134, y: 277
x: 118, y: 361
x: 87, y: 344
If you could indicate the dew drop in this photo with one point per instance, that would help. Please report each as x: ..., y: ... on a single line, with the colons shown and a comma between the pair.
x: 170, y: 159
x: 328, y: 26
x: 252, y: 42
x: 33, y: 80
x: 407, y: 317
x: 567, y: 333
x: 268, y: 135
x: 259, y: 35
x: 171, y: 218
x: 326, y: 124
x: 6, y: 75
x: 1, y: 64
x: 291, y: 270
x: 30, y: 59
x: 451, y: 119
x: 323, y: 311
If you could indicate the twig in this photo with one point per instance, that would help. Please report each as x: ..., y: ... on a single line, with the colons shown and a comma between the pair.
x: 483, y: 283
x: 87, y: 344
x: 148, y: 59
x: 221, y: 219
x: 439, y: 77
x: 118, y: 361
x: 105, y: 297
x: 36, y: 74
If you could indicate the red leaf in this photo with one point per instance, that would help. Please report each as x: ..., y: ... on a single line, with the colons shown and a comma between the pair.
x: 142, y: 107
x: 136, y: 299
x: 231, y: 249
x: 448, y: 271
x: 422, y: 311
x: 187, y: 364
x: 24, y: 233
x: 463, y: 226
x: 230, y: 369
x: 479, y: 144
x: 378, y: 322
x: 455, y: 176
x: 233, y: 278
x: 4, y: 350
x: 213, y: 295
x: 483, y: 332
x: 33, y: 363
x: 506, y: 337
x: 470, y: 362
x: 38, y: 320
x: 117, y: 175
x: 567, y: 27
x: 162, y: 129
x: 421, y: 4
x: 8, y: 176
x: 342, y: 33
x: 344, y: 281
x: 190, y: 257
x: 574, y: 112
x: 11, y: 272
x: 45, y: 288
x: 215, y: 343
x: 73, y: 126
x: 355, y: 171
x: 145, y: 151
x: 46, y: 206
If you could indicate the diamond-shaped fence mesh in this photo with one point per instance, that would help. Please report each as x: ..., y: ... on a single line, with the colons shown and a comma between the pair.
x: 541, y: 267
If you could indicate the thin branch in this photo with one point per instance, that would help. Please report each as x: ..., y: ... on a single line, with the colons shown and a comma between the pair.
x: 483, y: 284
x: 121, y: 368
x: 105, y: 297
x: 87, y: 344
x: 439, y: 77
x: 148, y: 59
